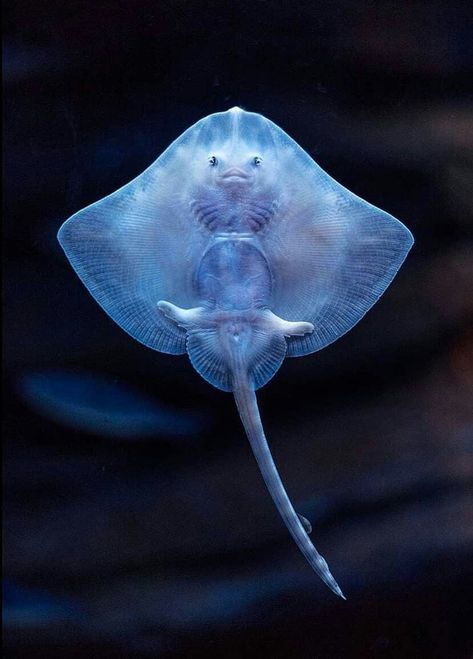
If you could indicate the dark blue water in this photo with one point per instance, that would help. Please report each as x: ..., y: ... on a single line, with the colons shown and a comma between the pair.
x: 136, y: 522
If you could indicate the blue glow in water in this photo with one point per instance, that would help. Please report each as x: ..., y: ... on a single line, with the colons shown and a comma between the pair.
x: 25, y: 607
x: 98, y: 405
x: 223, y: 600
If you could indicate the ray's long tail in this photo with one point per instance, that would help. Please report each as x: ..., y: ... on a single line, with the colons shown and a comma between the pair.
x: 247, y: 405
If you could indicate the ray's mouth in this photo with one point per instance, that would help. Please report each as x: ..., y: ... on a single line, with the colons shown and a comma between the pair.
x: 235, y: 174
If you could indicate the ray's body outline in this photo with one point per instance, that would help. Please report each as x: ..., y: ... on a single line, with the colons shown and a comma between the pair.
x: 257, y: 255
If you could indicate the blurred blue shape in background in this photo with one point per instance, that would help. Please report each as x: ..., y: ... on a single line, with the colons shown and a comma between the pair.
x: 102, y: 406
x: 27, y: 607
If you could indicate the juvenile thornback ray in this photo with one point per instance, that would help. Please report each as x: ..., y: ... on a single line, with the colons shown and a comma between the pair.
x: 236, y: 247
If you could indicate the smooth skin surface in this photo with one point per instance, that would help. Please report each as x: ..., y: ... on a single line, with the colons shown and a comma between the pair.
x: 236, y: 247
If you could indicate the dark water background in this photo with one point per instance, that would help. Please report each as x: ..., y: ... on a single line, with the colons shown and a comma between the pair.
x: 136, y: 522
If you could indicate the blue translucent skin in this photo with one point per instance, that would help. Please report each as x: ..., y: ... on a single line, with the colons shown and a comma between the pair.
x: 236, y: 247
x: 330, y: 254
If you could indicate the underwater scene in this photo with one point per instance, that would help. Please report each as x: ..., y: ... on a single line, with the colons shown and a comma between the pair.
x: 317, y: 171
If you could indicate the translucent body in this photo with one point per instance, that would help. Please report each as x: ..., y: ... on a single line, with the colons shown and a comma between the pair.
x: 236, y: 247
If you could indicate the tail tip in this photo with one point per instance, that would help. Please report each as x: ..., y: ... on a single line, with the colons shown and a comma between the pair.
x: 338, y: 591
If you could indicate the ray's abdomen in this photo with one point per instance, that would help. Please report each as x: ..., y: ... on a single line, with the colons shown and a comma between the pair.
x: 234, y: 275
x: 234, y: 331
